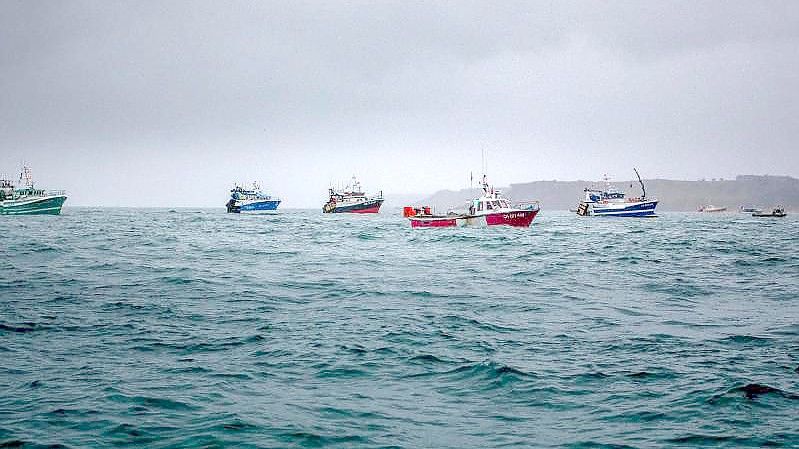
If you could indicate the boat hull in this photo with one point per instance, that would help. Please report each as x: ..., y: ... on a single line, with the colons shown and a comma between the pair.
x: 517, y: 218
x: 260, y: 206
x: 433, y: 222
x: 47, y: 205
x: 629, y: 209
x: 366, y: 207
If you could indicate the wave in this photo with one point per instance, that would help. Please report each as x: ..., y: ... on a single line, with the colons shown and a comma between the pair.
x: 153, y: 402
x: 22, y: 327
x: 336, y: 412
x: 426, y: 359
x: 678, y: 288
x: 129, y: 431
x: 746, y: 340
x: 751, y: 392
x: 342, y: 373
x: 705, y: 439
x: 311, y: 439
x: 186, y: 369
x: 460, y: 321
x: 30, y: 445
x: 494, y: 374
x: 598, y: 445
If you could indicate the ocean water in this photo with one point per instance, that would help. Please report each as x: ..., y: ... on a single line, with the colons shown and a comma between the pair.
x: 193, y: 328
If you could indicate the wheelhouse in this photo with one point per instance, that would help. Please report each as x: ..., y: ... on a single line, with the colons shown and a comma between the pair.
x: 612, y: 194
x: 255, y: 193
x: 491, y: 204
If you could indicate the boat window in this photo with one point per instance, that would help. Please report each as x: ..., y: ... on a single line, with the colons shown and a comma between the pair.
x: 480, y: 205
x: 488, y: 205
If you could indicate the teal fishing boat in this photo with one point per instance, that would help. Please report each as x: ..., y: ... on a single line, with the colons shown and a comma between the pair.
x: 27, y: 199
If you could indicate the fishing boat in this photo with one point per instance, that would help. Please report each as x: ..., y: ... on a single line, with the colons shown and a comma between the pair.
x: 778, y: 211
x: 490, y: 209
x: 27, y: 199
x: 612, y: 202
x: 711, y: 208
x: 252, y: 200
x: 352, y: 200
x: 749, y: 209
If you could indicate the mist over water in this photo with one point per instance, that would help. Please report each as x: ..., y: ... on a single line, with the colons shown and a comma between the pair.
x: 194, y: 328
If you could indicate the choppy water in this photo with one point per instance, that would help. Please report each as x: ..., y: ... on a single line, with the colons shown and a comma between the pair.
x: 194, y: 328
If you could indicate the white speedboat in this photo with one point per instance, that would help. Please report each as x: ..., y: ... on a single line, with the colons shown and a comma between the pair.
x: 712, y: 208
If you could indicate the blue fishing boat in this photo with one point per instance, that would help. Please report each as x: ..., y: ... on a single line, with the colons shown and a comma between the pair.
x: 611, y: 202
x: 252, y: 200
x: 27, y: 199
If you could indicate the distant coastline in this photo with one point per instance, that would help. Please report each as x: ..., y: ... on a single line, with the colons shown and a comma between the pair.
x: 674, y: 195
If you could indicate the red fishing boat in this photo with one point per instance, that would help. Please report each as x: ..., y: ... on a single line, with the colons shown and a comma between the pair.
x: 352, y: 200
x: 490, y: 209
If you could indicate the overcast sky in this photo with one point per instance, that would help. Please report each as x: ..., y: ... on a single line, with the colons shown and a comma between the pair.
x: 162, y: 103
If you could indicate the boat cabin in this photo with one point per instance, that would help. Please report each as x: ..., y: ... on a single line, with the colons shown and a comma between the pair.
x: 240, y: 193
x: 490, y: 201
x: 484, y: 203
x: 611, y: 195
x: 352, y: 193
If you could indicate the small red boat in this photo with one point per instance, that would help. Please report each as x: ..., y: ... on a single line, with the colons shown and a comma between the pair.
x: 490, y: 209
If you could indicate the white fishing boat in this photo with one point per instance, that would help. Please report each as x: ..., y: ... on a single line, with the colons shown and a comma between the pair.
x: 27, y: 199
x: 711, y: 208
x: 749, y: 209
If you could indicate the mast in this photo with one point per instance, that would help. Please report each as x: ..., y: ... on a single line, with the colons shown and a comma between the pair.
x: 641, y: 182
x: 26, y: 176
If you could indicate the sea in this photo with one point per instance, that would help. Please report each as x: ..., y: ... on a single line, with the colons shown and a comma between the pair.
x: 193, y: 328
